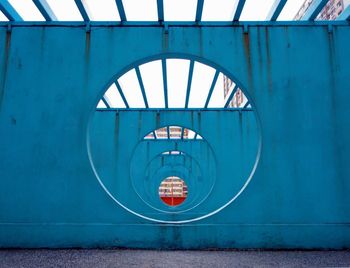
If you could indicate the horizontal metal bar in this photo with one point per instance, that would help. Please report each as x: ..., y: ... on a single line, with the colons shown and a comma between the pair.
x: 175, y: 110
x: 116, y: 24
x: 82, y: 10
x: 9, y: 11
x: 314, y: 9
x: 121, y: 10
x: 239, y: 10
x: 345, y: 15
x: 45, y: 10
x: 276, y: 9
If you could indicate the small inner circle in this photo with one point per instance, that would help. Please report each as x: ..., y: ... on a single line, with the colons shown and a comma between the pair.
x: 173, y: 191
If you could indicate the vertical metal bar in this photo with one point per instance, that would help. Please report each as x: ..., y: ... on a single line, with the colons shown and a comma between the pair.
x: 276, y: 9
x: 189, y: 83
x: 345, y: 15
x: 121, y: 10
x: 168, y: 131
x: 231, y: 96
x: 314, y: 9
x: 105, y: 102
x: 82, y: 10
x: 122, y: 94
x: 213, y: 83
x: 9, y: 11
x: 160, y: 9
x: 182, y: 133
x: 45, y: 10
x: 199, y: 10
x: 239, y: 9
x: 165, y: 83
x: 195, y: 136
x: 246, y: 105
x: 138, y: 74
x: 154, y: 134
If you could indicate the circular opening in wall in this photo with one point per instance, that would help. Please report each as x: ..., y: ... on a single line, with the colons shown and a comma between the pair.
x: 173, y: 191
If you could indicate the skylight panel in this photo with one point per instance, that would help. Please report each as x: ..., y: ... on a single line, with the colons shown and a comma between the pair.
x: 177, y: 78
x: 217, y: 98
x: 65, y: 10
x: 102, y: 10
x: 101, y: 105
x: 290, y: 10
x: 256, y: 10
x: 131, y: 89
x: 191, y: 134
x: 113, y: 97
x: 3, y: 17
x: 152, y: 79
x: 222, y: 10
x: 27, y: 10
x: 201, y: 81
x: 145, y: 10
x: 180, y: 10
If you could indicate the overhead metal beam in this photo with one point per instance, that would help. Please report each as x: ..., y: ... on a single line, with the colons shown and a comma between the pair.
x: 239, y: 9
x: 45, y: 10
x: 121, y: 10
x: 199, y: 11
x: 9, y: 11
x: 189, y: 82
x: 345, y: 15
x: 82, y: 10
x: 234, y: 90
x: 213, y: 83
x: 138, y: 74
x: 276, y: 9
x: 165, y: 83
x: 160, y: 9
x: 314, y: 9
x: 122, y: 94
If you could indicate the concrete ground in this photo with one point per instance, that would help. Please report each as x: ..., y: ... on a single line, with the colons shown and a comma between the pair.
x: 152, y: 258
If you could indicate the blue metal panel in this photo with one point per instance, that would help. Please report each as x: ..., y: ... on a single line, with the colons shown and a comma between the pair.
x: 239, y: 9
x: 45, y: 10
x: 82, y: 10
x: 50, y: 196
x: 314, y: 9
x: 276, y: 9
x: 345, y: 15
x: 9, y: 11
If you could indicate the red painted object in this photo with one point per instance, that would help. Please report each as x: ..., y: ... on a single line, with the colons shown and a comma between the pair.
x: 173, y: 201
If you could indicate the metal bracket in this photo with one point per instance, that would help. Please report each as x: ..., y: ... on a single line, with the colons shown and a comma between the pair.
x: 245, y: 28
x: 166, y: 28
x: 330, y: 28
x: 88, y: 27
x: 9, y: 27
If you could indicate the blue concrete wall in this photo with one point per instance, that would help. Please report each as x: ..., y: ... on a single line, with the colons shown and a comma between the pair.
x: 297, y: 76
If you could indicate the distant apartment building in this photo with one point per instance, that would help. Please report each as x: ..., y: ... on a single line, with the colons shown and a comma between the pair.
x: 239, y: 99
x: 173, y: 191
x: 330, y: 12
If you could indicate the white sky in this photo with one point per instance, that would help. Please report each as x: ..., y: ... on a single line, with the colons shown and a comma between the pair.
x: 146, y: 10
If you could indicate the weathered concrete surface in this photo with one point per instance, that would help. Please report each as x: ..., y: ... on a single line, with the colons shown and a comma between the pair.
x: 152, y: 258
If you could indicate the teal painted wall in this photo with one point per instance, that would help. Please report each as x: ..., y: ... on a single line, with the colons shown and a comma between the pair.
x: 52, y: 77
